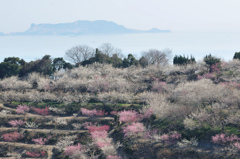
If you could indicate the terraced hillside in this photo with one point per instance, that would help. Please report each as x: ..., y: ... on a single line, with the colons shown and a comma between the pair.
x: 99, y: 111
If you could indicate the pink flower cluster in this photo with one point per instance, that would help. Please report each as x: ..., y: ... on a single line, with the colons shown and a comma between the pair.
x: 237, y: 145
x: 15, y: 123
x: 171, y: 138
x: 222, y: 138
x: 39, y: 111
x: 206, y: 76
x: 102, y: 143
x: 100, y: 128
x: 216, y: 67
x: 231, y: 84
x: 148, y: 113
x: 225, y: 140
x: 113, y: 112
x: 12, y: 137
x: 133, y: 129
x: 128, y: 116
x: 93, y: 112
x: 150, y: 133
x: 36, y: 154
x: 99, y: 134
x: 22, y: 109
x: 70, y: 150
x: 113, y: 157
x: 41, y: 141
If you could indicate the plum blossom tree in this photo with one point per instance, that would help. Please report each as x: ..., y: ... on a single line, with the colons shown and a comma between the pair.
x: 12, y: 137
x: 70, y: 150
x: 22, y: 109
x: 16, y: 123
x: 43, y: 112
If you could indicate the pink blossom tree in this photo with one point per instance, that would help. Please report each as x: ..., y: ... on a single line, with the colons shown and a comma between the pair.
x: 113, y: 157
x: 70, y: 150
x: 36, y: 154
x: 12, y: 137
x: 170, y: 138
x: 16, y: 123
x: 133, y: 129
x: 22, y: 109
x: 93, y: 112
x: 223, y: 139
x: 128, y: 116
x: 41, y: 141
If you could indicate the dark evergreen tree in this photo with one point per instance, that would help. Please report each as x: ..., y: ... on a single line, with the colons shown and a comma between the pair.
x: 182, y: 60
x: 236, y: 55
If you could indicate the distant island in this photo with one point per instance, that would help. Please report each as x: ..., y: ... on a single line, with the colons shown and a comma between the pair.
x: 82, y: 27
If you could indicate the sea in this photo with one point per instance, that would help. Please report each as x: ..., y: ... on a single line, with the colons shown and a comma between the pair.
x: 197, y: 44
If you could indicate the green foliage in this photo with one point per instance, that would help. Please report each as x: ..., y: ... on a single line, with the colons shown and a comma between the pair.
x: 182, y: 60
x: 59, y: 63
x: 236, y: 55
x: 143, y: 62
x: 127, y: 62
x: 211, y: 60
x: 43, y: 66
x: 11, y: 67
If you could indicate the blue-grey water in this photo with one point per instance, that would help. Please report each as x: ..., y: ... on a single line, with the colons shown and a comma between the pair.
x: 198, y: 44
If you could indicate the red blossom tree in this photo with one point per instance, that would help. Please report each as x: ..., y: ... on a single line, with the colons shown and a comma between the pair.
x: 44, y: 111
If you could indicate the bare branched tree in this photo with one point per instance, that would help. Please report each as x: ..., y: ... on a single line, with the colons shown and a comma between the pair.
x: 79, y: 53
x: 157, y: 57
x: 109, y: 50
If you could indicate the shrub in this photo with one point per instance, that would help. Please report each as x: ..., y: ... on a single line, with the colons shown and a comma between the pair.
x: 187, y: 143
x: 12, y: 137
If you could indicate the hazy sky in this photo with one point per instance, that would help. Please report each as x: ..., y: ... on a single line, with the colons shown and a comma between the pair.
x: 176, y: 15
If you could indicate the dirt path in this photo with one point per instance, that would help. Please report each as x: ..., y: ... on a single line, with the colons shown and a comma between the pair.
x: 47, y: 148
x: 45, y: 130
x: 50, y: 116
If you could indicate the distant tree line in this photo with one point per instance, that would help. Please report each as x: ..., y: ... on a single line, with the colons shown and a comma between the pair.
x: 85, y: 55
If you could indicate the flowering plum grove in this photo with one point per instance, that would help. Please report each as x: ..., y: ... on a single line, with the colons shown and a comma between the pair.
x: 146, y: 111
